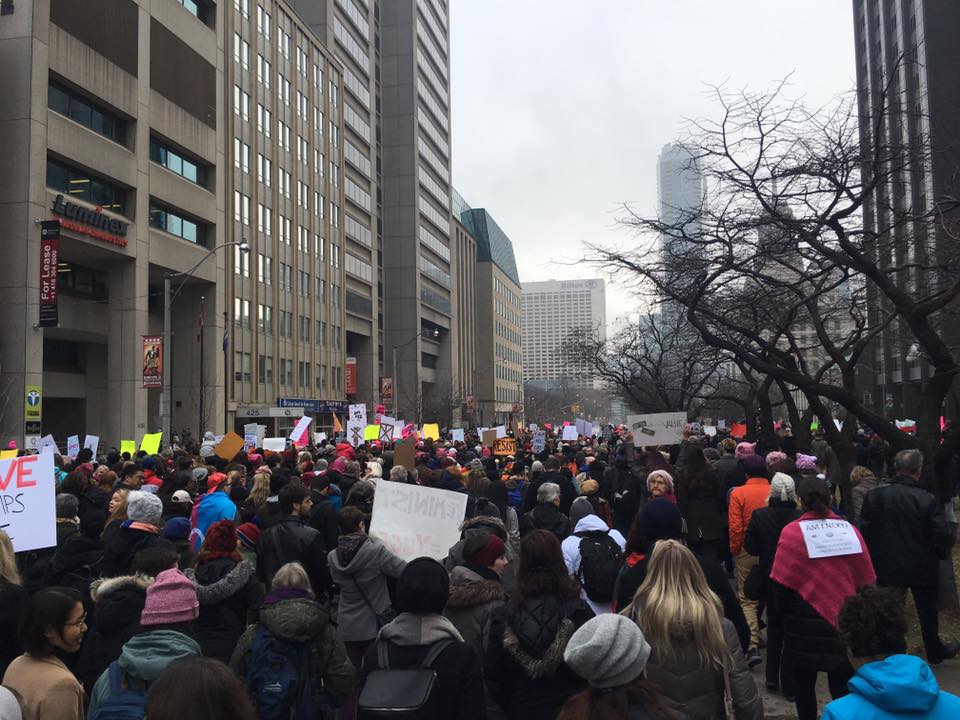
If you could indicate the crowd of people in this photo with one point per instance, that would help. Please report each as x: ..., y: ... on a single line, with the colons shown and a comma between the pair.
x: 594, y: 580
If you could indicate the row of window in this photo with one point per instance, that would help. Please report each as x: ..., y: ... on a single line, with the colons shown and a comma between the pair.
x: 242, y: 372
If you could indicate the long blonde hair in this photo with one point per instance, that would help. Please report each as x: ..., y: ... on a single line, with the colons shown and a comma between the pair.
x: 121, y: 512
x: 261, y: 488
x: 8, y: 561
x: 674, y: 602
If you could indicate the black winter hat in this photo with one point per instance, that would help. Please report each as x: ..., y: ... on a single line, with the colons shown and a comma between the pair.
x: 423, y: 587
x: 661, y: 520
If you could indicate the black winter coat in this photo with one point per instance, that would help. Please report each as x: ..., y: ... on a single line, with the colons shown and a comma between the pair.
x: 808, y: 639
x: 546, y: 517
x: 13, y: 599
x: 323, y: 519
x: 906, y: 532
x: 703, y: 508
x: 567, y: 492
x: 122, y: 545
x: 292, y: 541
x: 230, y: 597
x: 763, y: 531
x: 730, y: 473
x: 524, y: 668
x: 76, y: 563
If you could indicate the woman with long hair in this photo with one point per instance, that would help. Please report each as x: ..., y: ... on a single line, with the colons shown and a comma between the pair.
x: 198, y: 688
x: 810, y: 592
x: 700, y: 498
x: 13, y: 599
x: 257, y: 497
x: 696, y: 651
x: 524, y: 668
x: 118, y: 512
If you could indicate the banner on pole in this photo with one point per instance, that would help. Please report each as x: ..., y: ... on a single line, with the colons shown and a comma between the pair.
x: 152, y: 361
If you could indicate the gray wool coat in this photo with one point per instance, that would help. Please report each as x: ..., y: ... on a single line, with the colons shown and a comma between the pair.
x: 367, y: 569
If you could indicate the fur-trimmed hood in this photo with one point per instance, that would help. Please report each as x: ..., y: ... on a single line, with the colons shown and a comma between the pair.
x: 100, y: 589
x: 546, y: 665
x: 468, y: 589
x: 227, y: 585
x: 486, y: 523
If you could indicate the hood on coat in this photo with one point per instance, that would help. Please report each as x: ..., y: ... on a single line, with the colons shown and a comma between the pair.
x: 102, y: 590
x: 483, y: 523
x: 359, y: 559
x: 589, y: 523
x: 146, y: 655
x: 467, y: 589
x: 540, y: 630
x: 546, y: 664
x: 899, y: 684
x: 220, y: 579
x: 295, y: 620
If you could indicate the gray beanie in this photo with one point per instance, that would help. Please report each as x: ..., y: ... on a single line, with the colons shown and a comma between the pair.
x: 580, y: 508
x: 607, y: 651
x: 144, y: 507
x: 67, y: 506
x: 782, y: 487
x: 200, y: 474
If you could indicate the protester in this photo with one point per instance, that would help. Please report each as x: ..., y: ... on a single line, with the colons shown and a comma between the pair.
x: 524, y: 668
x: 476, y: 589
x: 610, y: 653
x: 701, y: 500
x: 323, y: 516
x: 213, y: 506
x: 660, y: 485
x: 138, y: 533
x: 907, y: 533
x: 51, y: 630
x: 248, y: 535
x: 862, y: 481
x: 810, y: 592
x: 13, y: 600
x: 888, y: 683
x: 696, y: 651
x: 117, y: 509
x: 546, y: 515
x: 593, y: 555
x: 198, y: 688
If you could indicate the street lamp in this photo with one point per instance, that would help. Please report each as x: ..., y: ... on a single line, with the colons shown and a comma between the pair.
x: 166, y: 411
x: 433, y: 334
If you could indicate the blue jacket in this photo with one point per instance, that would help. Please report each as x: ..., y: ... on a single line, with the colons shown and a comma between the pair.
x: 209, y: 509
x: 899, y: 686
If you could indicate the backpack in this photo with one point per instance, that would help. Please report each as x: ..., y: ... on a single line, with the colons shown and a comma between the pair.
x: 123, y: 703
x: 401, y: 693
x: 279, y: 681
x: 600, y: 561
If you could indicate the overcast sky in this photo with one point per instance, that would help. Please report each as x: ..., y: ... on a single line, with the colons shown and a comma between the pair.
x: 560, y: 107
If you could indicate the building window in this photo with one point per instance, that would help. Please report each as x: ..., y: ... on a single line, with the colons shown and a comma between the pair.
x: 241, y: 207
x: 305, y: 328
x: 241, y: 366
x: 303, y: 370
x: 265, y: 269
x: 243, y: 7
x: 286, y: 372
x: 71, y: 104
x: 263, y: 22
x: 265, y: 319
x: 241, y: 51
x: 175, y: 224
x: 265, y: 370
x: 241, y: 312
x: 82, y: 282
x: 320, y: 373
x: 264, y: 169
x: 82, y: 185
x: 176, y: 162
x: 241, y: 262
x: 241, y: 103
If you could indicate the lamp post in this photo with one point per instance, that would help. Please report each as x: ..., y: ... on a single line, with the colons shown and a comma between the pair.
x: 166, y: 411
x: 433, y: 333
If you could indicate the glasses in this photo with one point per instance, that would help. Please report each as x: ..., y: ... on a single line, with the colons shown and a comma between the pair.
x: 79, y: 623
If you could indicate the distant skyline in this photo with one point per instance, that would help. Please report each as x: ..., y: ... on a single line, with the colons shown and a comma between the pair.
x: 559, y: 111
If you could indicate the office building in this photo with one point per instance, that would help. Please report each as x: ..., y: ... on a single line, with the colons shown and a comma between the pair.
x: 906, y: 56
x: 285, y: 151
x: 497, y: 301
x: 113, y: 125
x: 551, y: 311
x: 464, y: 256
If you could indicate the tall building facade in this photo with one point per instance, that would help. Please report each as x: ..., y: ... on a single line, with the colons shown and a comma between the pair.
x: 551, y: 310
x: 906, y: 55
x: 465, y: 306
x: 112, y: 125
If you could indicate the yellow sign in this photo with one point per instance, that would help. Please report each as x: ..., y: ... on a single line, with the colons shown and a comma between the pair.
x: 32, y: 403
x: 431, y: 431
x: 371, y: 432
x: 7, y: 454
x: 505, y: 446
x: 128, y: 446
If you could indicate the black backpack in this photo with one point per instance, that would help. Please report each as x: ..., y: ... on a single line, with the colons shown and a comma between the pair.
x: 401, y: 692
x: 600, y: 562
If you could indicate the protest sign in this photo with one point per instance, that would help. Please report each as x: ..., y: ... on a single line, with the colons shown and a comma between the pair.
x: 431, y: 431
x: 319, y: 437
x: 371, y: 432
x: 738, y: 430
x: 532, y: 427
x: 228, y: 448
x: 405, y: 454
x: 829, y: 538
x: 501, y: 431
x: 457, y: 434
x: 358, y: 415
x: 150, y: 443
x: 505, y: 446
x: 709, y: 430
x: 47, y: 445
x: 570, y: 432
x: 721, y: 424
x: 275, y: 444
x: 413, y: 521
x: 7, y: 454
x: 300, y: 428
x: 539, y: 441
x: 250, y: 442
x: 355, y: 432
x: 129, y: 447
x: 27, y: 505
x: 583, y: 427
x: 489, y: 437
x: 73, y: 445
x: 398, y: 430
x: 657, y: 428
x: 387, y: 426
x: 92, y: 443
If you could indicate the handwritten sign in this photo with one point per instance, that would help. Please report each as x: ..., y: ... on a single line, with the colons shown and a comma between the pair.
x: 457, y: 434
x: 358, y: 414
x: 371, y: 432
x: 47, y: 445
x: 505, y: 446
x: 73, y: 445
x: 830, y: 538
x: 300, y: 428
x: 431, y: 431
x: 415, y: 521
x: 129, y: 447
x: 387, y: 425
x: 657, y: 428
x: 539, y: 441
x: 92, y: 443
x: 738, y: 430
x: 27, y: 506
x: 275, y: 444
x: 355, y: 432
x: 501, y: 431
x: 570, y: 433
x: 488, y: 437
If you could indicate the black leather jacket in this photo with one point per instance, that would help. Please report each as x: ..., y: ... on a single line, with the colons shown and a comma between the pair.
x: 292, y: 541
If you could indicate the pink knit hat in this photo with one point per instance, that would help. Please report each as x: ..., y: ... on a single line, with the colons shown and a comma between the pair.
x: 171, y: 599
x: 806, y: 462
x: 775, y: 456
x: 744, y: 449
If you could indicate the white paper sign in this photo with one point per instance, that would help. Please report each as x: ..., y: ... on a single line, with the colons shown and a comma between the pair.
x: 398, y: 430
x: 413, y: 521
x: 355, y: 432
x: 92, y: 442
x: 27, y: 506
x: 710, y: 430
x: 275, y: 444
x: 319, y: 437
x: 300, y: 428
x: 358, y: 414
x: 47, y: 444
x: 829, y: 538
x: 539, y: 441
x: 570, y: 432
x: 583, y: 427
x: 657, y: 428
x: 457, y: 434
x: 73, y: 445
x: 250, y: 442
x: 532, y: 427
x: 722, y: 424
x: 501, y: 431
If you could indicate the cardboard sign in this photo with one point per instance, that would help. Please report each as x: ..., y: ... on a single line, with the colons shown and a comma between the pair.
x: 275, y: 444
x: 405, y: 453
x: 355, y: 432
x: 92, y: 442
x: 47, y: 445
x: 300, y: 428
x: 539, y: 441
x: 457, y: 435
x: 431, y: 431
x: 657, y: 428
x: 829, y: 538
x: 150, y: 443
x: 73, y: 445
x: 488, y: 438
x: 413, y: 521
x: 358, y: 414
x: 505, y: 446
x: 570, y: 433
x: 128, y: 446
x: 27, y: 505
x: 229, y: 446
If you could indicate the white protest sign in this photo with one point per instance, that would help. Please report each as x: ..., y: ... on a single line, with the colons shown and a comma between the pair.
x: 710, y: 430
x: 355, y: 432
x: 413, y: 521
x: 532, y: 427
x: 27, y: 505
x: 657, y: 428
x: 387, y: 427
x: 722, y: 424
x: 92, y: 443
x: 539, y: 441
x: 358, y: 414
x: 398, y: 430
x: 570, y: 432
x: 275, y: 444
x: 319, y: 437
x: 300, y: 428
x: 583, y: 427
x: 829, y: 538
x: 47, y: 445
x: 457, y: 434
x: 250, y: 442
x: 501, y: 431
x: 73, y: 445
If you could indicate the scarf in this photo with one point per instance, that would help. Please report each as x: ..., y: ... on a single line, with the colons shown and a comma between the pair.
x: 287, y: 593
x: 415, y: 630
x: 145, y: 527
x: 824, y: 583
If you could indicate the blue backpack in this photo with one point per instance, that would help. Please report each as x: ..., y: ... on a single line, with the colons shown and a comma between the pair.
x: 279, y: 681
x: 124, y: 703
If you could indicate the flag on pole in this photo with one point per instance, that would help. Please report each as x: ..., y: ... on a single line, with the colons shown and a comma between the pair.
x: 337, y: 427
x: 226, y: 337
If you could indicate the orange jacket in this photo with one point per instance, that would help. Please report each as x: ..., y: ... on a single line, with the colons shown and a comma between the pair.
x: 743, y: 501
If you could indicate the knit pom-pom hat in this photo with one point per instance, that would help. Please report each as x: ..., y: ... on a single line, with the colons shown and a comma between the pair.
x: 171, y: 599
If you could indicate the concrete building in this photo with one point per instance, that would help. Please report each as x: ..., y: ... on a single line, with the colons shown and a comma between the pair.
x: 498, y: 296
x: 111, y: 123
x: 906, y: 52
x: 550, y: 311
x: 464, y: 256
x: 285, y: 147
